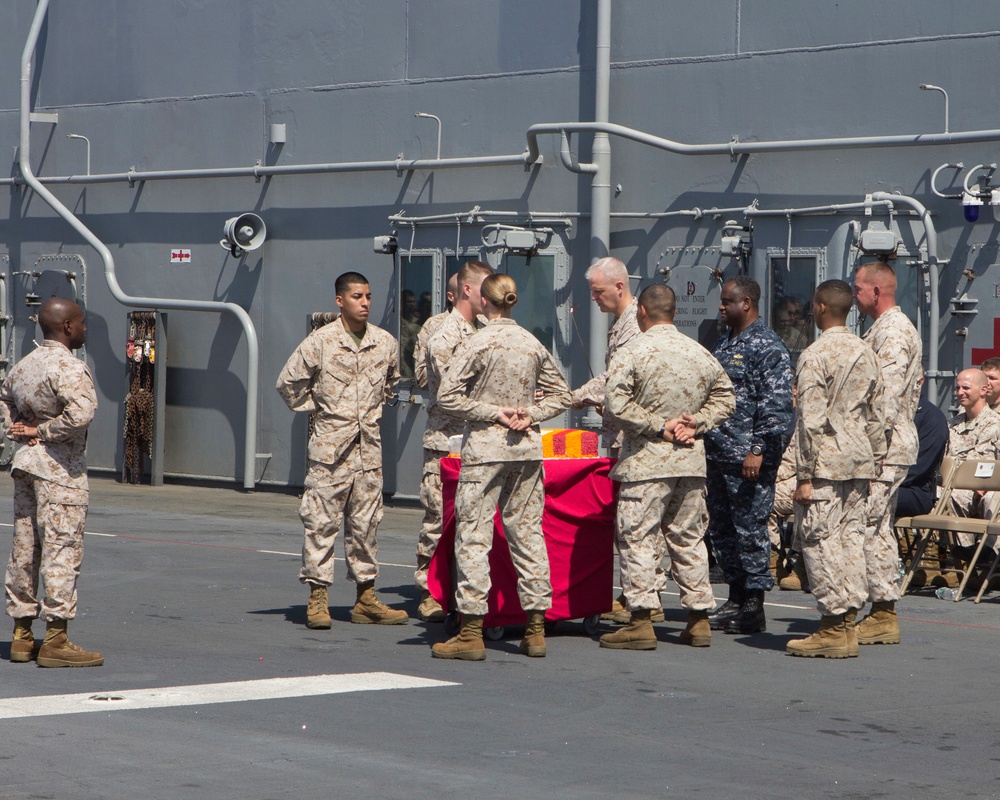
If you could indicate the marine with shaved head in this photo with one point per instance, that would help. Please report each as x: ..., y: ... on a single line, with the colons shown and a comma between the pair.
x: 897, y: 344
x: 975, y: 433
x: 841, y: 443
x: 46, y: 404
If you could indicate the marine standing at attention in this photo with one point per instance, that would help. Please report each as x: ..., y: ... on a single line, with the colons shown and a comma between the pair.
x: 343, y: 373
x: 897, y: 345
x: 492, y: 383
x: 841, y: 441
x: 47, y: 403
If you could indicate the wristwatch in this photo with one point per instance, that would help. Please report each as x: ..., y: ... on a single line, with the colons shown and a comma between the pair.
x: 757, y: 450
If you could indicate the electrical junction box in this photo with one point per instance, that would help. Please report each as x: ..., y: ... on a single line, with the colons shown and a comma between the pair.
x: 520, y: 240
x: 875, y: 241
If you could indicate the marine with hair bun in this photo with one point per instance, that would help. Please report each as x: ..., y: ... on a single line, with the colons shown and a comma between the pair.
x: 492, y: 383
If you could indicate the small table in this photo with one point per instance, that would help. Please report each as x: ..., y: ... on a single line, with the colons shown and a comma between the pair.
x: 578, y: 523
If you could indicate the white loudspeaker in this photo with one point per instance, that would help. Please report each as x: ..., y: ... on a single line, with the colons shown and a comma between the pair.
x: 245, y: 232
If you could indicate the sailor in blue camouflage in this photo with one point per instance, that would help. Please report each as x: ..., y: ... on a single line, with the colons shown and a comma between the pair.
x: 744, y: 452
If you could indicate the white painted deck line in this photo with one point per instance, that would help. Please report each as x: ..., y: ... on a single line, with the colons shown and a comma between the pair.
x: 207, y: 693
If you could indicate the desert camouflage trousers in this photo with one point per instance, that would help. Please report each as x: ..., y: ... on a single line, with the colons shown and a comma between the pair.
x: 832, y: 535
x: 430, y: 528
x: 671, y: 511
x: 967, y: 503
x: 48, y: 542
x: 783, y: 508
x: 516, y: 486
x: 881, y: 546
x: 341, y: 495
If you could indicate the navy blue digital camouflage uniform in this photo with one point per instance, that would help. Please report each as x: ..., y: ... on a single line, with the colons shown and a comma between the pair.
x: 758, y: 364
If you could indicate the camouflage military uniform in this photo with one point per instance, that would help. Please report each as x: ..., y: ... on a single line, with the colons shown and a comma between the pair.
x: 428, y: 329
x: 625, y: 329
x: 449, y: 335
x: 51, y: 492
x: 784, y: 488
x: 658, y: 376
x: 978, y: 438
x: 344, y: 384
x: 897, y: 345
x: 500, y: 366
x: 841, y: 440
x: 757, y: 363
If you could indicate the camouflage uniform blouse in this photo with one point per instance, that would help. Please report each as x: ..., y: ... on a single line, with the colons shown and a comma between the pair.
x: 625, y: 329
x: 841, y: 431
x: 449, y: 336
x: 428, y: 329
x: 54, y: 387
x: 978, y: 437
x: 501, y: 365
x: 346, y: 385
x: 658, y: 376
x: 897, y: 345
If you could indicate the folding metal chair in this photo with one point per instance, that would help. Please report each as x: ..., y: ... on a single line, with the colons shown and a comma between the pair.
x: 974, y: 475
x: 993, y: 529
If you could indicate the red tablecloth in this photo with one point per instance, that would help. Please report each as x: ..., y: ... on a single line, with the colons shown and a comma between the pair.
x: 578, y: 523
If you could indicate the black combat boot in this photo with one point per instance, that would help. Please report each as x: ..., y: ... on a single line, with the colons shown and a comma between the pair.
x: 750, y: 618
x: 717, y: 619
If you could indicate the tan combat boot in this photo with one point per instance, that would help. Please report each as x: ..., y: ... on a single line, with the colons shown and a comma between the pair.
x: 637, y: 635
x: 318, y: 610
x: 850, y: 622
x: 58, y: 651
x: 881, y: 625
x: 620, y: 615
x: 370, y: 610
x: 698, y: 632
x: 467, y: 646
x: 533, y: 643
x: 830, y: 641
x: 796, y: 580
x: 23, y: 646
x: 772, y: 567
x: 430, y: 609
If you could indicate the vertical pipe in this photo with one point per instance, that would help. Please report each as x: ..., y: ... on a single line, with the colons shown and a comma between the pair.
x: 24, y: 162
x: 600, y: 188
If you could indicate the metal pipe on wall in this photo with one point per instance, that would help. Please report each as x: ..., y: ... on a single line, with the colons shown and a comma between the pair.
x: 24, y: 162
x: 600, y: 188
x: 933, y: 264
x: 735, y: 147
x: 259, y: 171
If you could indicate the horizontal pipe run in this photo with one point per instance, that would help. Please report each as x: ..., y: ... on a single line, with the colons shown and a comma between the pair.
x: 259, y: 171
x: 828, y: 209
x: 738, y: 148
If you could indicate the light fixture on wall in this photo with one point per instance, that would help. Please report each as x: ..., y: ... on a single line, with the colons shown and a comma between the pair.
x: 970, y: 206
